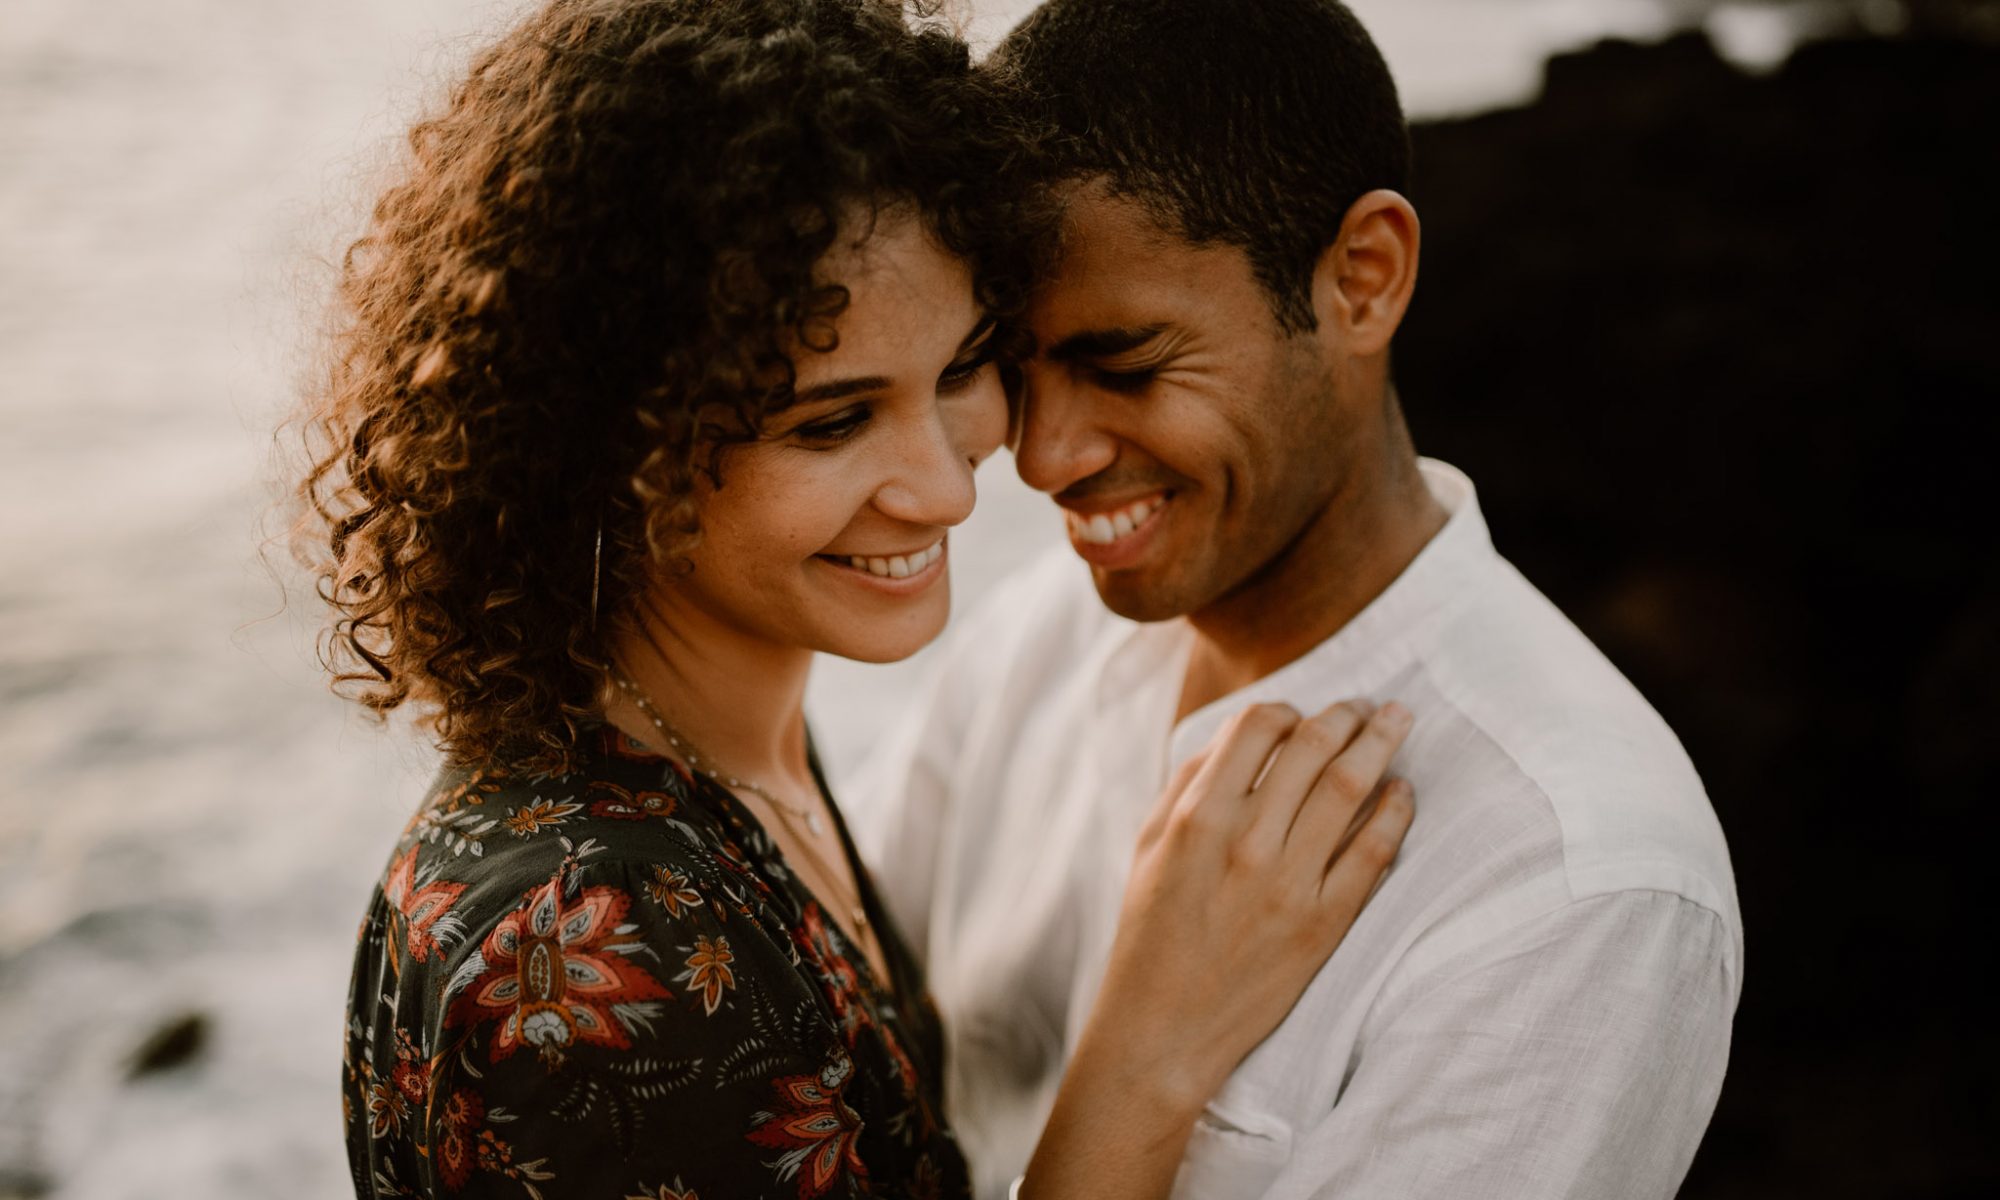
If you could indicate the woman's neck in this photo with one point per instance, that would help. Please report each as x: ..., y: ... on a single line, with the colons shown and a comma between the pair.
x: 739, y: 698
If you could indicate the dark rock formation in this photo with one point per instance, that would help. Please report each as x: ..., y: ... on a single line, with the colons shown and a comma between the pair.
x: 1723, y: 355
x: 176, y: 1042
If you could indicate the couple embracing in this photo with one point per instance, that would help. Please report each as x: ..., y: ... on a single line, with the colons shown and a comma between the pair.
x: 1273, y: 838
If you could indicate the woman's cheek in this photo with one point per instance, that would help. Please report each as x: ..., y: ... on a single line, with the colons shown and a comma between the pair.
x: 819, y: 504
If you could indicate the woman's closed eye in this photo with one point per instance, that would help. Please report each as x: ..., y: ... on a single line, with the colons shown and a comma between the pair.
x: 833, y: 430
x: 824, y: 433
x: 960, y: 375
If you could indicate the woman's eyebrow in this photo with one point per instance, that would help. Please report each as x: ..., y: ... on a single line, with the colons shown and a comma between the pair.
x: 840, y: 389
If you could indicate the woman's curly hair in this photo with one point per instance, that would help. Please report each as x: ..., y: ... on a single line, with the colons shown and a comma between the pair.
x: 579, y: 288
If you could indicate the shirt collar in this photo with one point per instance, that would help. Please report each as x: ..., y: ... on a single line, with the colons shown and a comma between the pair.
x: 1441, y: 576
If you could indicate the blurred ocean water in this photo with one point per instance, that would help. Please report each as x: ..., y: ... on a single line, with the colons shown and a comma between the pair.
x: 189, y: 823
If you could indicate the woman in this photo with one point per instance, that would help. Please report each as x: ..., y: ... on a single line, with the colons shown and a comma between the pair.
x: 665, y: 367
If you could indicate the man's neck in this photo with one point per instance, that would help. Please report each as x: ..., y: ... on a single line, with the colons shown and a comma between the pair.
x: 1349, y: 554
x: 737, y: 697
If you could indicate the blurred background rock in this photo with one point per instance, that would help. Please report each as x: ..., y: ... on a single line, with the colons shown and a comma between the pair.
x: 1711, y: 320
x: 1722, y: 351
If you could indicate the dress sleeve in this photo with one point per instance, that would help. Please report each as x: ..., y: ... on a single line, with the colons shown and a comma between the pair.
x: 1578, y: 1056
x: 631, y: 1030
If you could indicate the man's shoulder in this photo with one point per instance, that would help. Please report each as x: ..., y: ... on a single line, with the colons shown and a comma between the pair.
x: 1534, y: 705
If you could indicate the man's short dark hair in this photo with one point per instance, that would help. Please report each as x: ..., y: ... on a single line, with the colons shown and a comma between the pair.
x: 1255, y: 123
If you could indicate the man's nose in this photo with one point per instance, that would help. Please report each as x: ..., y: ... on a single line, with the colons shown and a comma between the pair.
x: 1058, y: 440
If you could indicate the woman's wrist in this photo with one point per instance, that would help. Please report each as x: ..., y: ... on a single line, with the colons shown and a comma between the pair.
x: 1120, y: 1124
x: 1147, y: 1068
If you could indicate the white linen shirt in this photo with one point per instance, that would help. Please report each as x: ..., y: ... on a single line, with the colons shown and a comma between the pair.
x: 1536, y: 1003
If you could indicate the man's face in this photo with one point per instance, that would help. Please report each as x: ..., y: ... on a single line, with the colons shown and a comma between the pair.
x: 1188, y: 437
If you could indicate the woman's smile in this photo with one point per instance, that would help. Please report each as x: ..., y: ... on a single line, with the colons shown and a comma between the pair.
x: 893, y: 566
x: 899, y: 576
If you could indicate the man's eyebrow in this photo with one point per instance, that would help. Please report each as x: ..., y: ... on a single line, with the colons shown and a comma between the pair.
x: 840, y: 389
x: 1104, y: 343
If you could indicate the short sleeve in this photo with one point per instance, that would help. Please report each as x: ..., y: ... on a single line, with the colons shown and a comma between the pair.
x: 1579, y: 1055
x: 630, y: 1030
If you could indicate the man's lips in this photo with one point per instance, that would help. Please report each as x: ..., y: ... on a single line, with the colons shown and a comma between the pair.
x: 1105, y: 526
x: 1121, y: 537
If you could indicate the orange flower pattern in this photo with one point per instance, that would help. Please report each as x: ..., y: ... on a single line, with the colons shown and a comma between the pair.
x: 708, y: 971
x: 531, y: 818
x: 608, y: 983
x: 671, y: 890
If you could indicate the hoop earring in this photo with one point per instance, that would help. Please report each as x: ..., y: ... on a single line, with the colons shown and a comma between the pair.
x: 596, y: 574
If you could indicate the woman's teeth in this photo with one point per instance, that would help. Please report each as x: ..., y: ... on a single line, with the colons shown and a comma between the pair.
x: 900, y: 566
x: 1102, y: 529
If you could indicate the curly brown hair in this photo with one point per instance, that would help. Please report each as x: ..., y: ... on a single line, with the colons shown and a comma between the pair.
x: 578, y: 290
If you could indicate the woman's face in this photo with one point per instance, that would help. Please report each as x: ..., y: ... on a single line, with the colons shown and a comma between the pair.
x: 828, y: 533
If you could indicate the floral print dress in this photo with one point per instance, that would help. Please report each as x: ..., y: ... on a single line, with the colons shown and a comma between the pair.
x: 607, y: 984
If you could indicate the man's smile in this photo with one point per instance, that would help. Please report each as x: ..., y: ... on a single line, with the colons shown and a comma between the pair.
x: 1107, y: 525
x: 1116, y: 537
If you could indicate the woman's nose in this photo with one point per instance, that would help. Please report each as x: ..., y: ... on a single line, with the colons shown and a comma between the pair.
x: 978, y: 423
x: 931, y: 480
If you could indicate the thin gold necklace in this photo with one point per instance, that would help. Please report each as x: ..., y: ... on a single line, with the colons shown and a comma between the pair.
x: 698, y: 761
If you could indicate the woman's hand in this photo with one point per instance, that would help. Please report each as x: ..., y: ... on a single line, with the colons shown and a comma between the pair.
x: 1250, y: 871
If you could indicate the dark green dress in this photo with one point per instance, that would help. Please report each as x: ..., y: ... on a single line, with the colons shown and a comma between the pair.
x: 608, y: 985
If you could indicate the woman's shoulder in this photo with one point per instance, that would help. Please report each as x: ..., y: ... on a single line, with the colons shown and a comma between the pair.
x: 633, y: 801
x: 620, y: 850
x: 544, y: 946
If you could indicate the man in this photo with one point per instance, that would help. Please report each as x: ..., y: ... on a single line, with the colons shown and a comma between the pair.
x: 1537, y: 1002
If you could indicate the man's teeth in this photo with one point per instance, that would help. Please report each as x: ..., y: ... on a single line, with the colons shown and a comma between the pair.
x: 1104, y: 528
x: 901, y: 566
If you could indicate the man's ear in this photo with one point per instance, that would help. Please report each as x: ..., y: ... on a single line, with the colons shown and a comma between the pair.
x: 1362, y: 283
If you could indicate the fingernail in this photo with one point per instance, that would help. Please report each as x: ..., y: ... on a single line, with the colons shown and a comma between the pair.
x: 1396, y: 713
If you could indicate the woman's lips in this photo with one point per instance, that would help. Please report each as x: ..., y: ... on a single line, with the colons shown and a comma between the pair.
x: 898, y: 574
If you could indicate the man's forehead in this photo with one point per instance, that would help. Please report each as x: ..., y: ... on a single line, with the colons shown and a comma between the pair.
x: 1099, y: 222
x: 1119, y: 267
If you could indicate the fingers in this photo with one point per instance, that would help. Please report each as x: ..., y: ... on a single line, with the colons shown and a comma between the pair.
x: 1163, y: 807
x: 1184, y: 774
x: 1236, y: 757
x: 1323, y: 819
x: 1361, y: 864
x: 1305, y: 754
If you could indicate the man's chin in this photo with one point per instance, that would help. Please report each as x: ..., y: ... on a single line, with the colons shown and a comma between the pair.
x: 1138, y: 595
